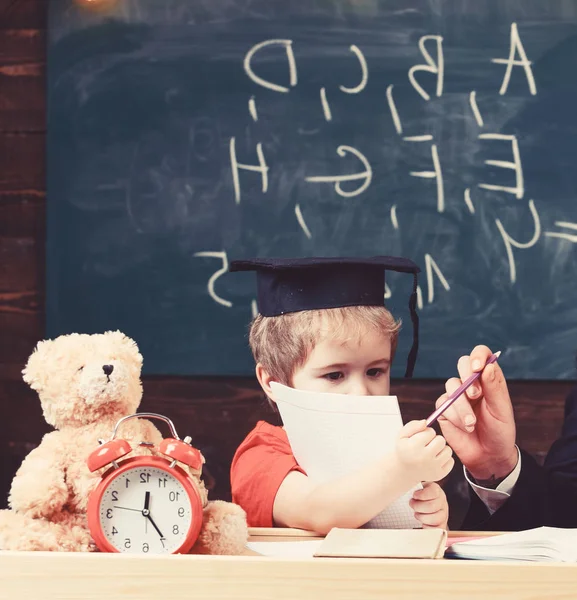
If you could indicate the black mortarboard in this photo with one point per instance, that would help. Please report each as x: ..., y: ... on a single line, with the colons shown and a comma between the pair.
x: 287, y: 285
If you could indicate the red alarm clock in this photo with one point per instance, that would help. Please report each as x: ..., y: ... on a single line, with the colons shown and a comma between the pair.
x: 145, y: 504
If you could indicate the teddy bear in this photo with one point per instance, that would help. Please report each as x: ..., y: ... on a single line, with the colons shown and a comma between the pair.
x: 86, y: 384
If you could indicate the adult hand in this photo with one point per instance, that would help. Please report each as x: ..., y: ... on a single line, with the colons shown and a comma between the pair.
x: 480, y: 425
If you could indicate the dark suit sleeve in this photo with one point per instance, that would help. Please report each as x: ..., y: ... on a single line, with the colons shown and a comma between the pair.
x: 543, y: 495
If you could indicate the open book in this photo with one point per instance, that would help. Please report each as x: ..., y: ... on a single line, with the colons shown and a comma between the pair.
x: 544, y: 544
x: 380, y: 543
x: 332, y: 435
x: 360, y: 543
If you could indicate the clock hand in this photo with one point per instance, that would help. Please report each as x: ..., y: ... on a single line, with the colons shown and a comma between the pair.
x: 145, y: 512
x: 125, y: 508
x: 154, y: 525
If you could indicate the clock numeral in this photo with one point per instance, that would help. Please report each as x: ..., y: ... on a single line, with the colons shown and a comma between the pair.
x: 144, y: 477
x: 145, y: 547
x: 109, y: 513
x: 127, y: 543
x: 175, y: 529
x: 181, y: 512
x: 114, y: 531
x: 162, y: 482
x: 115, y: 496
x: 127, y: 482
x: 173, y: 496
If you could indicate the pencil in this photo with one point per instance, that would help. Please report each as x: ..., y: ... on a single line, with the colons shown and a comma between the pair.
x: 460, y: 390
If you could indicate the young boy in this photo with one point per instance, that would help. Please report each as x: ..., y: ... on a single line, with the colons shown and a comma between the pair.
x: 322, y: 326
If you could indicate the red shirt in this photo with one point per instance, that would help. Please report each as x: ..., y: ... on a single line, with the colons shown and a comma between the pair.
x: 259, y: 466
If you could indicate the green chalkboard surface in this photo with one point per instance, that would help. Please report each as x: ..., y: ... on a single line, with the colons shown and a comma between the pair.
x: 183, y: 134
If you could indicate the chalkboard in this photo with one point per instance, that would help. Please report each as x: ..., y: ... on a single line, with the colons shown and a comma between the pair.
x: 184, y: 134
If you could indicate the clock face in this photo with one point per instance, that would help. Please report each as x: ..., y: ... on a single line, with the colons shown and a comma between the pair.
x: 145, y: 510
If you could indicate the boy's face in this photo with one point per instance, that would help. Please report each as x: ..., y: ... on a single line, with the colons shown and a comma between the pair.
x: 358, y: 367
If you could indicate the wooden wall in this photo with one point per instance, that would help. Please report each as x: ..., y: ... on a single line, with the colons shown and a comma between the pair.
x: 217, y: 412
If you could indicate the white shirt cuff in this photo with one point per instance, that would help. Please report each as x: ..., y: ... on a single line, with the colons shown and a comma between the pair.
x: 494, y: 499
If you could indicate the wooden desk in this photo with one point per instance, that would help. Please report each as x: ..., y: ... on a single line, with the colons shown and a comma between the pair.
x: 45, y: 575
x: 279, y: 534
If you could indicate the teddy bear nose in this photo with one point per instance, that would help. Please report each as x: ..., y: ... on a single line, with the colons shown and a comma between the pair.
x: 107, y: 369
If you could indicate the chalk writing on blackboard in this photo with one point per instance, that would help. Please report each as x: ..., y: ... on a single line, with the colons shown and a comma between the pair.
x: 468, y: 201
x: 287, y: 44
x: 419, y: 77
x: 430, y: 266
x: 561, y: 235
x: 418, y: 138
x: 252, y: 109
x: 211, y: 282
x: 393, y: 109
x: 364, y: 74
x: 388, y: 292
x: 301, y: 221
x: 475, y: 108
x: 516, y: 46
x: 261, y: 168
x: 437, y: 174
x: 435, y: 67
x: 519, y: 190
x: 326, y: 107
x: 394, y: 219
x: 366, y: 174
x: 419, y: 298
x: 510, y: 242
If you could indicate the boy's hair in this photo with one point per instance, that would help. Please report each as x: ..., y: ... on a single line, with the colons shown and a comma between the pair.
x: 283, y: 343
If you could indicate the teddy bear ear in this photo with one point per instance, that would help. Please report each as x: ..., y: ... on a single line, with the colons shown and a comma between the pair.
x: 35, y: 366
x: 127, y: 344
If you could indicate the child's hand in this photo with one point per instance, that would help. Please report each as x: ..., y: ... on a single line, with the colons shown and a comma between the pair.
x: 430, y: 506
x: 423, y: 455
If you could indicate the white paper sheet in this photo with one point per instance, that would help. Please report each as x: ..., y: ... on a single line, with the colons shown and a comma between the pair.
x: 539, y: 544
x: 300, y: 549
x: 334, y: 434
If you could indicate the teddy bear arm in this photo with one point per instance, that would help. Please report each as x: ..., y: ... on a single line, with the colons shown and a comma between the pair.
x: 39, y: 487
x: 151, y: 433
x: 224, y: 529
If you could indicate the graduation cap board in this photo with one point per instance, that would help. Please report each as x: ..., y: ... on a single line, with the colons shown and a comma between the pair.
x: 288, y: 285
